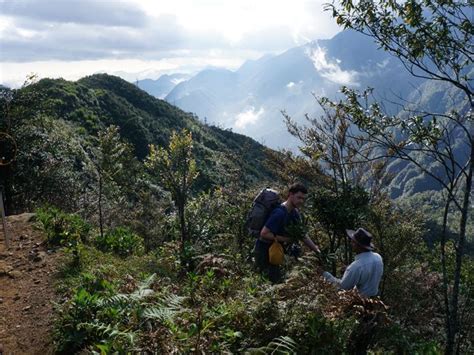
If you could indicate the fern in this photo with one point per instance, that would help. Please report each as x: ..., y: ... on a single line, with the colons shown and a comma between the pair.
x: 147, y: 282
x: 118, y: 299
x: 142, y: 292
x: 108, y: 331
x: 170, y: 306
x: 159, y: 313
x: 279, y: 346
x: 173, y: 301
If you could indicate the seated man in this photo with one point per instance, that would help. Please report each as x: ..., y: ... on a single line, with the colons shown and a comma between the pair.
x: 366, y: 270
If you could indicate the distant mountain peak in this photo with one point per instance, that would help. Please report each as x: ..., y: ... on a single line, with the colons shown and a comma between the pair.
x: 286, y: 82
x: 162, y: 86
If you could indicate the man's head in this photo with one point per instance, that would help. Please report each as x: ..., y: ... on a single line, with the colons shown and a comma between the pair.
x: 297, y: 194
x: 361, y: 240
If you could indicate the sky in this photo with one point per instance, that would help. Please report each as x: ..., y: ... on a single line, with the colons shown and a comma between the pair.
x: 139, y: 39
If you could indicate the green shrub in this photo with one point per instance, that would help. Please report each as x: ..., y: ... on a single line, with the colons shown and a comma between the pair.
x: 120, y: 241
x: 87, y: 321
x: 62, y: 229
x: 69, y: 337
x: 400, y: 340
x: 98, y: 317
x: 328, y: 336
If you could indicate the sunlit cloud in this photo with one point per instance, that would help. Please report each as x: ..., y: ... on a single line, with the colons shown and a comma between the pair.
x: 34, y: 33
x: 331, y: 70
x: 248, y: 117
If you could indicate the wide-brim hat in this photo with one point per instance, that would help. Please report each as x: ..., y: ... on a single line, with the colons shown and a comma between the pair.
x: 361, y: 237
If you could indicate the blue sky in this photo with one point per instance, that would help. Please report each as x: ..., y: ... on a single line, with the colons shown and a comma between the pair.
x: 142, y: 38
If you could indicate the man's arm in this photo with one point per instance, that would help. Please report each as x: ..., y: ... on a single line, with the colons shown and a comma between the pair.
x: 307, y: 240
x: 348, y: 281
x: 267, y: 234
x: 272, y: 226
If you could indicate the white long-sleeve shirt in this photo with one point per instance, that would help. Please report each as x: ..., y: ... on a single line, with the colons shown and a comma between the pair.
x: 364, y: 274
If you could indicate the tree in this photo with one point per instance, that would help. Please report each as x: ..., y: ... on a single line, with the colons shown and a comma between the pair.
x: 433, y: 40
x: 342, y: 201
x: 12, y: 121
x: 175, y: 168
x: 110, y: 158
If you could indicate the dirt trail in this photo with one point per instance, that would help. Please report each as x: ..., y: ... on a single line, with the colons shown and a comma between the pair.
x: 27, y: 294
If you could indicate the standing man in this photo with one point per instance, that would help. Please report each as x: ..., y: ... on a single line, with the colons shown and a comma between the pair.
x: 366, y: 270
x: 274, y: 229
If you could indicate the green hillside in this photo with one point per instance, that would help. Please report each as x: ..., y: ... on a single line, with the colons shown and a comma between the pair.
x: 134, y: 228
x: 77, y: 111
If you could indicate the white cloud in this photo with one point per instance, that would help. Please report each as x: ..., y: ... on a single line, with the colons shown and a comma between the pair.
x: 34, y: 32
x: 107, y: 13
x: 290, y: 85
x: 384, y: 63
x: 248, y: 117
x: 305, y: 19
x: 178, y: 80
x: 13, y: 74
x: 331, y: 70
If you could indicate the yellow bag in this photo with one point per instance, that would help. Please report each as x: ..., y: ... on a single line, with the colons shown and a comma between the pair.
x: 276, y: 253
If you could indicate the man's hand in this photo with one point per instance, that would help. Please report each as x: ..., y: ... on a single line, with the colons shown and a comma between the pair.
x: 283, y: 239
x: 311, y: 245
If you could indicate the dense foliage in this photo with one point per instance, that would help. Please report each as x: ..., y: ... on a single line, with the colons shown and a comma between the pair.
x: 58, y: 126
x: 150, y: 205
x: 131, y: 281
x: 146, y: 302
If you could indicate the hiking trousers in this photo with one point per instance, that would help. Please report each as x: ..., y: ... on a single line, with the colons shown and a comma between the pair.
x: 262, y: 262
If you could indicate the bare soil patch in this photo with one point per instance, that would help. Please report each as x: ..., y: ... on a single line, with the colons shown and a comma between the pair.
x: 27, y: 291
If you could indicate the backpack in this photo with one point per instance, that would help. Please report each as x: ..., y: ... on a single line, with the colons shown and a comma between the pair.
x: 266, y: 200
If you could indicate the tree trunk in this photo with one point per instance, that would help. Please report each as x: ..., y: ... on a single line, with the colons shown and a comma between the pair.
x: 5, y: 182
x: 346, y: 251
x: 379, y: 230
x: 459, y: 257
x: 447, y: 308
x: 332, y: 249
x: 182, y: 222
x: 101, y: 219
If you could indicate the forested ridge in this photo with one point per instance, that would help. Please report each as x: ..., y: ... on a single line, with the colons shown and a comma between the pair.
x: 72, y: 114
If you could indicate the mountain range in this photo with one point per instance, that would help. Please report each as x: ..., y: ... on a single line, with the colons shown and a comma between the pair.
x: 162, y: 86
x: 250, y: 99
x: 245, y: 102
